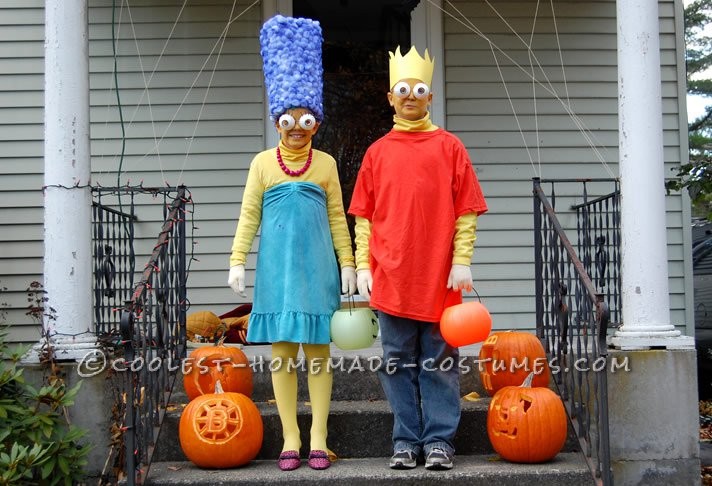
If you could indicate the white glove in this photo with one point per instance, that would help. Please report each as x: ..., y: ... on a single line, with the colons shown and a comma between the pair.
x: 364, y: 282
x: 348, y: 281
x: 460, y: 278
x: 236, y: 280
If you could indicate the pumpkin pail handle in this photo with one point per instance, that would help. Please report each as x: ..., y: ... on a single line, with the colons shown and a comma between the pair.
x: 478, y: 295
x: 352, y: 304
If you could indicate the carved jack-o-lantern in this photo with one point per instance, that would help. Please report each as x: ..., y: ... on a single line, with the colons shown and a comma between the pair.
x: 221, y: 430
x: 527, y: 424
x: 507, y: 357
x: 210, y: 364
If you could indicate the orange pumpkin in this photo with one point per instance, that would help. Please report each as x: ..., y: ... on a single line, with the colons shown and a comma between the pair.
x: 221, y: 430
x: 465, y: 324
x: 202, y: 323
x: 507, y: 357
x: 208, y: 364
x: 526, y: 424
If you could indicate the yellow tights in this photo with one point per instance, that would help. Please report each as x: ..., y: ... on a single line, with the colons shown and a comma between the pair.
x: 284, y: 383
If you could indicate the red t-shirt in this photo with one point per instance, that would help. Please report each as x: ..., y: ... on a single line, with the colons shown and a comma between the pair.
x: 413, y: 186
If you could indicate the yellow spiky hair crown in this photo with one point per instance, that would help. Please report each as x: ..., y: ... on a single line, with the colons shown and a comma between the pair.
x: 410, y: 66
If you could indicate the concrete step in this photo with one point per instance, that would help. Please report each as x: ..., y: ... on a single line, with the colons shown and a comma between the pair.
x: 356, y: 429
x: 360, y: 426
x: 355, y: 377
x: 566, y: 469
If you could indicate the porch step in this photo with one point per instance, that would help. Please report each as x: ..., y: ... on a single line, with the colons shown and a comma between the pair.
x: 360, y: 426
x: 356, y: 429
x: 567, y: 469
x: 355, y: 377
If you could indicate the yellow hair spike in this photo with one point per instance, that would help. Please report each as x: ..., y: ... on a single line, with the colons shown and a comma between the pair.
x: 412, y: 65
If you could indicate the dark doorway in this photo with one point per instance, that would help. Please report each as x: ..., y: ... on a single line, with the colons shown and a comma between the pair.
x: 357, y: 37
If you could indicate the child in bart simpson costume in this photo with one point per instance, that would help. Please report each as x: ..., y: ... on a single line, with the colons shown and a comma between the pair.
x: 293, y: 192
x: 416, y: 203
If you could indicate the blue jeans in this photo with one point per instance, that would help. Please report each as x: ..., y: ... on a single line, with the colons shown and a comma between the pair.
x: 420, y: 376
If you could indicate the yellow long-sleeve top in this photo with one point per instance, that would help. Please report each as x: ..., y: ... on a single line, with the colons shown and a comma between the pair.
x: 265, y: 173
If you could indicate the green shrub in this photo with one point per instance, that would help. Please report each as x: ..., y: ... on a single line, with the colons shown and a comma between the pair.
x: 38, y: 445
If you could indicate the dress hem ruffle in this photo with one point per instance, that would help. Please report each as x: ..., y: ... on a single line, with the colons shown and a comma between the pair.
x: 289, y: 326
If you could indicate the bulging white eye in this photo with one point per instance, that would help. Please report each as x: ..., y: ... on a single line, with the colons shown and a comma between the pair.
x: 307, y: 121
x: 421, y: 90
x: 401, y: 89
x: 286, y: 121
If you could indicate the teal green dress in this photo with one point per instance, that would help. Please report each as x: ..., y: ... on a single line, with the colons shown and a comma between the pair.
x: 297, y: 280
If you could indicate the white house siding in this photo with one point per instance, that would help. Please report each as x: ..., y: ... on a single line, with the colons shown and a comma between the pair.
x: 165, y: 142
x: 478, y: 110
x: 21, y: 159
x: 211, y: 156
x: 208, y: 120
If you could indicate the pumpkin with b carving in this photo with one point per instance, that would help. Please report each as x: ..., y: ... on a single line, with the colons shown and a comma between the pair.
x: 221, y: 430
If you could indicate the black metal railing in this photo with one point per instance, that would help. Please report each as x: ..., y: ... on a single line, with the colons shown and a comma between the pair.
x: 572, y: 319
x: 148, y: 317
x: 153, y: 332
x: 114, y: 256
x: 598, y: 229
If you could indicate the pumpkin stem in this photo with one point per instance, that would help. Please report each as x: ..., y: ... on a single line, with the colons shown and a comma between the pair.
x: 528, y: 381
x: 221, y: 341
x: 218, y: 387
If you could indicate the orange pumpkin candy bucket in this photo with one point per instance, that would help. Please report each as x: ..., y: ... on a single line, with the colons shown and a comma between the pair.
x: 466, y: 323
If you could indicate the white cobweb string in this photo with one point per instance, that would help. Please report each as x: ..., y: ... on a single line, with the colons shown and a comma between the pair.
x: 219, y: 43
x: 197, y: 76
x: 147, y: 82
x: 534, y: 100
x: 497, y: 52
x: 547, y: 85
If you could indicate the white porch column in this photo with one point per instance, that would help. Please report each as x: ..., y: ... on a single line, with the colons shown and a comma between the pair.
x: 646, y: 307
x: 67, y: 195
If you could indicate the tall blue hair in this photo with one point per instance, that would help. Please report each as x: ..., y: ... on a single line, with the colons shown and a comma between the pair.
x: 291, y: 55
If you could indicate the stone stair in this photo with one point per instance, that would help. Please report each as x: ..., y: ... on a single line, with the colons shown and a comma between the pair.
x: 360, y: 425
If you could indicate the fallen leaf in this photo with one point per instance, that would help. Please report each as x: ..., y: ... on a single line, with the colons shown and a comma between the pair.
x: 332, y: 456
x: 471, y: 397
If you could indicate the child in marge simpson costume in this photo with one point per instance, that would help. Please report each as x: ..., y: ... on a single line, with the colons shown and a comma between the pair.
x: 293, y: 193
x: 416, y: 203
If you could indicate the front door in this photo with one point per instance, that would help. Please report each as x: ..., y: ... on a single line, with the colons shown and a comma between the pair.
x: 357, y: 37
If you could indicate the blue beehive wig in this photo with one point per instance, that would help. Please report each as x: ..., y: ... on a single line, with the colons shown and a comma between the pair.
x: 291, y: 55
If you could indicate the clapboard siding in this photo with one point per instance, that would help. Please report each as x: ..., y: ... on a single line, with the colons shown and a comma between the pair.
x: 207, y: 117
x: 516, y: 130
x: 200, y: 122
x: 202, y: 127
x: 21, y: 162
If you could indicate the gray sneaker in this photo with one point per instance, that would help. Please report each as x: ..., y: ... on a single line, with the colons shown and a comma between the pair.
x: 403, y: 459
x: 438, y: 459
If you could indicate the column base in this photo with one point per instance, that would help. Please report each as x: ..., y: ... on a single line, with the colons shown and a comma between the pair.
x: 653, y: 418
x: 646, y: 340
x: 65, y: 349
